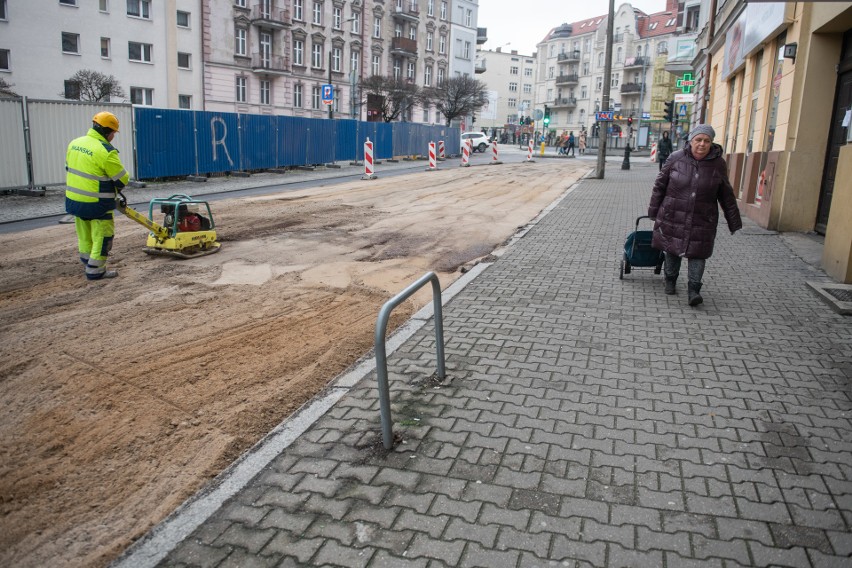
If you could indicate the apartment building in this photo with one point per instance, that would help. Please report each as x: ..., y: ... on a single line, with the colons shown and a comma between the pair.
x: 510, y: 78
x: 152, y: 48
x: 463, y: 37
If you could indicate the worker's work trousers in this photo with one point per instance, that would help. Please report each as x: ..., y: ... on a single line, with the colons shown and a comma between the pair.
x: 94, y: 240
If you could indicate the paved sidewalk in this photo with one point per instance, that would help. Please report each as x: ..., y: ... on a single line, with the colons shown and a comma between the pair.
x: 585, y: 421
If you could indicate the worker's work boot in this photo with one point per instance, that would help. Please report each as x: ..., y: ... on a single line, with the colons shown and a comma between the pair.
x: 671, y: 286
x: 110, y: 274
x: 694, y: 293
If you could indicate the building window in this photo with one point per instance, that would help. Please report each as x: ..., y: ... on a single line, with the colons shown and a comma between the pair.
x: 585, y: 68
x: 68, y: 2
x: 468, y: 18
x: 426, y: 115
x: 410, y: 71
x: 600, y: 60
x: 377, y: 64
x: 528, y: 88
x: 397, y: 30
x: 598, y: 83
x: 412, y: 33
x: 72, y: 90
x: 241, y: 89
x: 265, y: 92
x: 430, y: 39
x: 513, y: 70
x: 397, y: 69
x: 297, y: 95
x: 430, y: 8
x: 103, y: 5
x: 336, y: 56
x: 441, y: 74
x: 240, y: 3
x: 442, y: 44
x: 584, y: 92
x: 377, y: 27
x: 315, y: 97
x: 466, y: 51
x: 513, y: 87
x: 183, y: 60
x: 337, y: 19
x: 185, y: 102
x: 443, y: 10
x: 140, y: 96
x: 240, y: 41
x: 316, y: 56
x: 70, y: 43
x: 298, y: 52
x: 354, y: 61
x: 550, y: 72
x: 618, y: 57
x: 356, y: 22
x: 528, y: 72
x: 298, y: 11
x: 182, y: 19
x: 427, y: 76
x: 317, y: 13
x: 4, y: 60
x: 513, y: 103
x: 140, y: 52
x: 139, y: 9
x: 105, y: 47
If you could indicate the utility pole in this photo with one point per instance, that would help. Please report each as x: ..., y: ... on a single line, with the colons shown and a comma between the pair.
x: 607, y: 80
x: 331, y: 106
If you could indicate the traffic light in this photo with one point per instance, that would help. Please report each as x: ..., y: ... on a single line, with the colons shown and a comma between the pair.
x: 546, y: 116
x: 668, y: 114
x: 473, y: 119
x: 629, y: 121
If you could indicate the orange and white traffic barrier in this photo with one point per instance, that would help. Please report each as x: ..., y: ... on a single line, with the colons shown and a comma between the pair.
x: 441, y: 150
x: 433, y: 160
x: 368, y: 161
x: 494, y: 160
x: 530, y: 151
x: 654, y: 152
x: 465, y: 163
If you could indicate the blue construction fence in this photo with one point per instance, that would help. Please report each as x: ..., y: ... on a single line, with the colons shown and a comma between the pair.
x: 173, y: 143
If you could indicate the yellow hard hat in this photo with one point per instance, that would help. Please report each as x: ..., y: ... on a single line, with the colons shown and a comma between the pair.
x: 106, y: 119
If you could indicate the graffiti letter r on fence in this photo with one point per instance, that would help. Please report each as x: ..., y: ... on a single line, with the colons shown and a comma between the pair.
x: 221, y: 141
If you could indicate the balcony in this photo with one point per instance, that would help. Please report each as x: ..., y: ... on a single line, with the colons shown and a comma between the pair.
x: 403, y: 46
x: 264, y: 17
x: 408, y: 12
x: 568, y: 102
x: 263, y: 64
x: 569, y: 57
x: 571, y: 79
x: 632, y: 62
x: 631, y: 88
x: 481, y: 35
x: 479, y: 66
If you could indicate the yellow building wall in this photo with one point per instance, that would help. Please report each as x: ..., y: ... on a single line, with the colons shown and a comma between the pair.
x: 837, y: 252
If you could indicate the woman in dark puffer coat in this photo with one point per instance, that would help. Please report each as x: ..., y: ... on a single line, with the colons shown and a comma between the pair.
x: 685, y: 205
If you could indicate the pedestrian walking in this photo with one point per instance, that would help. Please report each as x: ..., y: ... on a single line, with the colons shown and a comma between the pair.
x: 571, y: 143
x: 685, y: 207
x: 664, y: 149
x: 563, y: 148
x: 94, y: 177
x: 582, y: 142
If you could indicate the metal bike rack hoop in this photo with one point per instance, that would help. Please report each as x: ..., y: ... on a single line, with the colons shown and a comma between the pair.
x: 381, y: 355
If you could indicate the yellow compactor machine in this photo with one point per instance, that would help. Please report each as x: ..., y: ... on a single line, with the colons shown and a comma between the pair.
x: 187, y: 230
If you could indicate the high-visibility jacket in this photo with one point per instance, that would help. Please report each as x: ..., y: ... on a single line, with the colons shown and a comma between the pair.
x: 94, y: 175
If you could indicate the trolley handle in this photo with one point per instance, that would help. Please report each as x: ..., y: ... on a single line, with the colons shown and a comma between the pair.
x: 640, y: 218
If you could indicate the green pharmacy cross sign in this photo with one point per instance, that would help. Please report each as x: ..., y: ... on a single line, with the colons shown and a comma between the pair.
x: 685, y: 83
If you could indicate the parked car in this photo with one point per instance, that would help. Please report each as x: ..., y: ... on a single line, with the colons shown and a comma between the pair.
x: 478, y: 141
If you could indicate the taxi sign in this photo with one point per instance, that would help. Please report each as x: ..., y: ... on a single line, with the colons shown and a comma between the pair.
x: 604, y: 116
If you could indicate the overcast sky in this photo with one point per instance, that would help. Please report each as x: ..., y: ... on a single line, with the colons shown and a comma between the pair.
x: 524, y: 23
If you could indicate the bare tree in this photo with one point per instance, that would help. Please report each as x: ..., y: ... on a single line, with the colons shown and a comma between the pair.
x: 456, y: 97
x: 6, y: 89
x: 392, y: 95
x: 94, y: 86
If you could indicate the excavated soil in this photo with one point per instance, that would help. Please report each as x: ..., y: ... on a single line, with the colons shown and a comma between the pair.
x: 121, y: 398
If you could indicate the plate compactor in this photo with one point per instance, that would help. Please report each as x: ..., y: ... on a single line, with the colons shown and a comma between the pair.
x: 187, y: 230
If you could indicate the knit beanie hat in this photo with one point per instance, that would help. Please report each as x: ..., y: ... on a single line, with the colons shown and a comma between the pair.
x: 702, y: 129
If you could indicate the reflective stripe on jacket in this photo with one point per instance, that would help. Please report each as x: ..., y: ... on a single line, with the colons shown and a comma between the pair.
x: 94, y: 174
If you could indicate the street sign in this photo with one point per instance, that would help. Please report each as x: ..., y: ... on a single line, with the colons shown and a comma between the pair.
x: 327, y: 94
x: 604, y: 116
x: 538, y: 114
x: 681, y: 98
x: 646, y: 116
x: 682, y: 111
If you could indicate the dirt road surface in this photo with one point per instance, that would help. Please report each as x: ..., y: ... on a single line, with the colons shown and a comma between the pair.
x: 121, y: 398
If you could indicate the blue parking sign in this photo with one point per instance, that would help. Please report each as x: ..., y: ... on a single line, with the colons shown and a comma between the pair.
x: 327, y: 94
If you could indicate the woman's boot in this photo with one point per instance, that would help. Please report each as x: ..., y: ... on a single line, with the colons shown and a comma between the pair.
x: 694, y: 293
x: 671, y: 285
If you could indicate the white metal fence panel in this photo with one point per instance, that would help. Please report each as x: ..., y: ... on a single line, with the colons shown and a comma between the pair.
x: 53, y: 124
x: 13, y: 152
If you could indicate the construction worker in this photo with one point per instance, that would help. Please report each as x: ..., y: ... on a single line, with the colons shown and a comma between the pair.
x: 95, y: 175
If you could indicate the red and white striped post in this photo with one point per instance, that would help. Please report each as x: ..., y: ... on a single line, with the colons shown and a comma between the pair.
x: 441, y: 156
x: 465, y: 163
x: 654, y: 152
x: 433, y: 165
x: 368, y: 160
x: 494, y: 160
x: 530, y: 151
